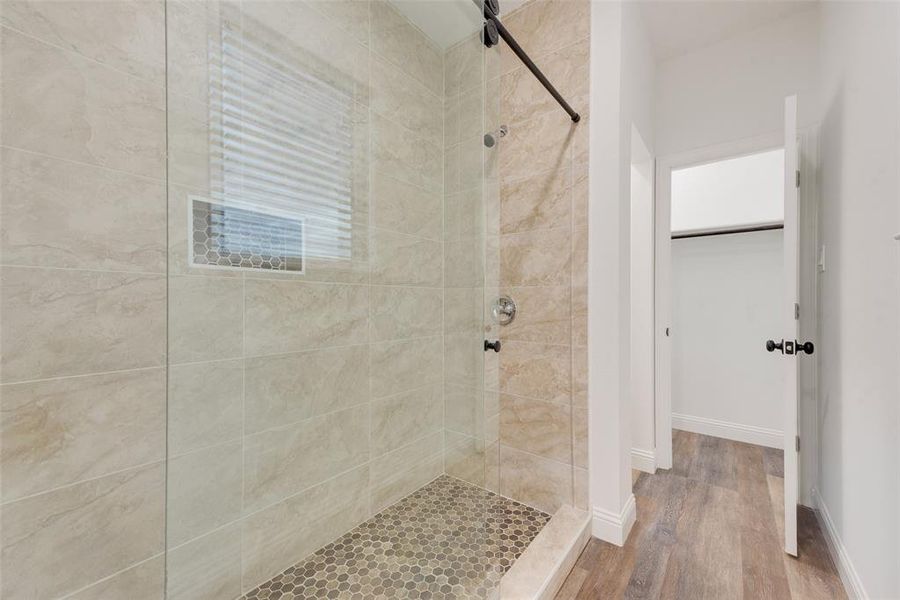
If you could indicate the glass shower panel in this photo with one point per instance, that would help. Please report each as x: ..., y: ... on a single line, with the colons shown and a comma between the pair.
x: 331, y: 209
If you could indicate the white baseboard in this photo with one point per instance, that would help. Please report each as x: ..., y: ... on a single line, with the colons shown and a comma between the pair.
x: 852, y: 583
x: 750, y: 434
x: 614, y: 527
x: 643, y: 460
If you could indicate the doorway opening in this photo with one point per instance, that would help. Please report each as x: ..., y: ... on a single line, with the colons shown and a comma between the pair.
x: 731, y: 254
x: 727, y: 273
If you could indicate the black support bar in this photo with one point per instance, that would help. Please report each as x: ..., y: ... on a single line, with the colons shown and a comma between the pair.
x: 523, y: 56
x: 752, y: 229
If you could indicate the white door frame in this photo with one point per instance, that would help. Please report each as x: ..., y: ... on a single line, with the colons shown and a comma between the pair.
x: 663, y: 270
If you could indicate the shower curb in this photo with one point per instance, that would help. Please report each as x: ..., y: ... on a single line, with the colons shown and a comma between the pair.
x: 541, y: 570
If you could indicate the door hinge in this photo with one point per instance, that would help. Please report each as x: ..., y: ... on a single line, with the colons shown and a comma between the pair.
x: 796, y: 312
x: 797, y: 177
x: 797, y: 442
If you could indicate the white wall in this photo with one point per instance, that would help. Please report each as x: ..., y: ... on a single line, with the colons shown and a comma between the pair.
x: 741, y: 191
x: 639, y: 137
x: 608, y: 440
x: 735, y: 89
x: 621, y: 95
x: 859, y: 334
x: 726, y: 297
x: 642, y: 317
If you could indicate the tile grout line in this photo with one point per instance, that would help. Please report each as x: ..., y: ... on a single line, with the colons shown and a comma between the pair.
x: 78, y: 163
x: 137, y: 467
x: 113, y: 575
x: 72, y: 51
x: 85, y: 270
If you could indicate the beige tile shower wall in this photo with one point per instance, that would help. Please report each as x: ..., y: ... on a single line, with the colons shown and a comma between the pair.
x: 301, y: 404
x: 539, y: 378
x: 82, y: 299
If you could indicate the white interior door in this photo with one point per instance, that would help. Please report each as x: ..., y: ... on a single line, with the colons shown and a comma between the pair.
x: 791, y: 347
x: 663, y: 316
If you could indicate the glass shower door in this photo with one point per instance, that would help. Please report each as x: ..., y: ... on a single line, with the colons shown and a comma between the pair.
x: 332, y: 241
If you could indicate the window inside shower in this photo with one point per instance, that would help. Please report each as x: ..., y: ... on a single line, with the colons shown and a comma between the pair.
x: 282, y: 138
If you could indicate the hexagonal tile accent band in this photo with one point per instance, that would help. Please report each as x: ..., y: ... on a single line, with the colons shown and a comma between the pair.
x: 449, y: 539
x: 228, y: 236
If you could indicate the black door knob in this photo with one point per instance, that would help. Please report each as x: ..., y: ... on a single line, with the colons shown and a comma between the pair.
x: 495, y: 345
x: 804, y: 347
x: 771, y: 346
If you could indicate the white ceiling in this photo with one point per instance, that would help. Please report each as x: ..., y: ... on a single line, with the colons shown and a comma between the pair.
x: 448, y: 21
x: 677, y: 26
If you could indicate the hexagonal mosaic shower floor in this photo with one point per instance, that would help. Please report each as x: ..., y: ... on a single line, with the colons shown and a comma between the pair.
x: 449, y: 539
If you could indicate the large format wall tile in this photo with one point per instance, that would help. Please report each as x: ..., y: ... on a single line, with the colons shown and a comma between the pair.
x: 62, y: 104
x: 203, y: 492
x: 464, y: 263
x: 399, y: 259
x: 579, y: 377
x: 391, y: 489
x: 580, y: 258
x: 464, y: 457
x: 302, y: 40
x: 126, y: 37
x: 542, y: 201
x: 580, y: 437
x: 60, y: 431
x: 579, y: 316
x: 546, y: 25
x: 538, y: 427
x: 401, y: 419
x: 191, y: 147
x: 539, y: 482
x: 543, y: 143
x: 207, y: 568
x: 464, y: 310
x: 350, y: 15
x: 523, y: 97
x: 205, y: 318
x: 398, y: 97
x: 144, y: 581
x: 59, y: 214
x: 61, y: 541
x: 474, y: 162
x: 285, y: 316
x: 543, y: 315
x: 464, y: 66
x: 538, y: 371
x: 465, y: 362
x: 285, y: 389
x: 193, y: 37
x: 399, y: 41
x: 402, y: 365
x: 464, y: 214
x: 404, y: 312
x: 407, y: 156
x: 582, y: 500
x: 281, y: 462
x: 286, y: 532
x: 383, y: 468
x: 535, y: 258
x: 472, y: 116
x: 204, y: 404
x: 404, y: 207
x: 464, y: 409
x: 58, y: 323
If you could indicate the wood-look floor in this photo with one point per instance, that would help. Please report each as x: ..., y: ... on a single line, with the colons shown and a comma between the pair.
x: 709, y: 528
